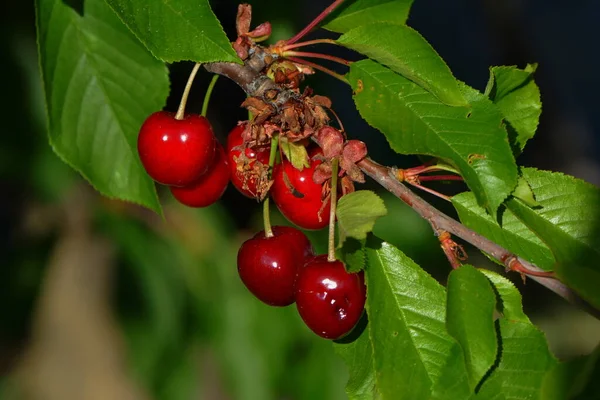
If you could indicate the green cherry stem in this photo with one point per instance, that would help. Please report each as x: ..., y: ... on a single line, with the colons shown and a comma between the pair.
x: 186, y: 93
x: 208, y: 93
x: 315, y: 22
x: 266, y: 210
x: 332, y: 209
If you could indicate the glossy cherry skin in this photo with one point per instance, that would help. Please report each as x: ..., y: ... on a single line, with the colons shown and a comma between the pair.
x: 268, y: 266
x: 244, y: 183
x: 302, y: 211
x: 329, y: 299
x: 176, y: 152
x: 209, y: 188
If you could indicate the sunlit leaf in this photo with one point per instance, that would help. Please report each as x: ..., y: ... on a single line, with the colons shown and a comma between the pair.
x: 358, y: 357
x: 404, y: 50
x: 525, y: 359
x: 364, y: 12
x: 470, y: 320
x: 416, y: 122
x: 518, y: 97
x: 176, y: 30
x: 100, y: 84
x: 357, y: 212
x: 509, y: 232
x: 411, y: 348
x: 569, y: 224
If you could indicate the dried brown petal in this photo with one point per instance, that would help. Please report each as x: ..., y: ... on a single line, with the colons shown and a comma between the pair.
x: 322, y: 173
x: 331, y: 141
x: 354, y: 173
x: 261, y: 32
x: 255, y: 105
x: 242, y: 21
x: 322, y: 101
x: 354, y: 151
x: 347, y: 185
x: 241, y: 48
x: 289, y: 120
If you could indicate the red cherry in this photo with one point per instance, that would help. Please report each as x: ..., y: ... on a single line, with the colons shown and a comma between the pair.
x: 302, y: 211
x: 209, y: 188
x: 176, y: 152
x: 268, y: 265
x: 329, y: 299
x: 244, y: 181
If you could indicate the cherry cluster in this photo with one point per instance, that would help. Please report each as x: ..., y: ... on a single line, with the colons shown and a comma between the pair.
x: 282, y: 268
x: 278, y: 265
x: 317, y: 164
x: 185, y: 155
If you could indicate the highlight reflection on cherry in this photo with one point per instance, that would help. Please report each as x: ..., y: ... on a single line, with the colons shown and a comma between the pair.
x: 329, y: 299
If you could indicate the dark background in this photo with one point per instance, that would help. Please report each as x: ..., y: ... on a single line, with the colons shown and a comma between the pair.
x: 103, y: 300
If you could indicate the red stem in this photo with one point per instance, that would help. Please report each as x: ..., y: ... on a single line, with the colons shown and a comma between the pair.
x: 433, y: 192
x: 315, y: 21
x: 425, y: 178
x: 307, y: 43
x: 316, y: 55
x: 421, y: 169
x: 319, y: 67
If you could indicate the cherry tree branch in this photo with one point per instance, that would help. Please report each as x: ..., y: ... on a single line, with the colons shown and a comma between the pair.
x: 440, y: 221
x: 250, y: 79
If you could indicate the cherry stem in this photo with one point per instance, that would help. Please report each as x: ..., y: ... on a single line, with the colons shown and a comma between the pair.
x: 316, y: 55
x: 320, y: 68
x: 424, y: 178
x: 339, y: 121
x: 315, y: 21
x: 208, y: 93
x: 433, y: 192
x: 266, y: 210
x: 186, y: 93
x: 429, y: 167
x: 332, y: 208
x: 308, y: 43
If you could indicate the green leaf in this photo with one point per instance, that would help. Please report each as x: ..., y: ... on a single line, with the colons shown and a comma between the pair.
x: 509, y: 232
x: 100, y: 84
x: 524, y: 362
x: 176, y: 30
x: 412, y: 351
x: 357, y: 212
x: 364, y: 12
x: 295, y: 153
x: 470, y: 320
x: 524, y: 359
x: 415, y: 122
x: 358, y: 357
x: 510, y: 306
x: 353, y: 254
x: 523, y: 192
x: 569, y: 224
x: 404, y: 50
x: 518, y: 98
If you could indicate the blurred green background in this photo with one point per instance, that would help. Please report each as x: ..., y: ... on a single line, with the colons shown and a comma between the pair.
x: 104, y: 300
